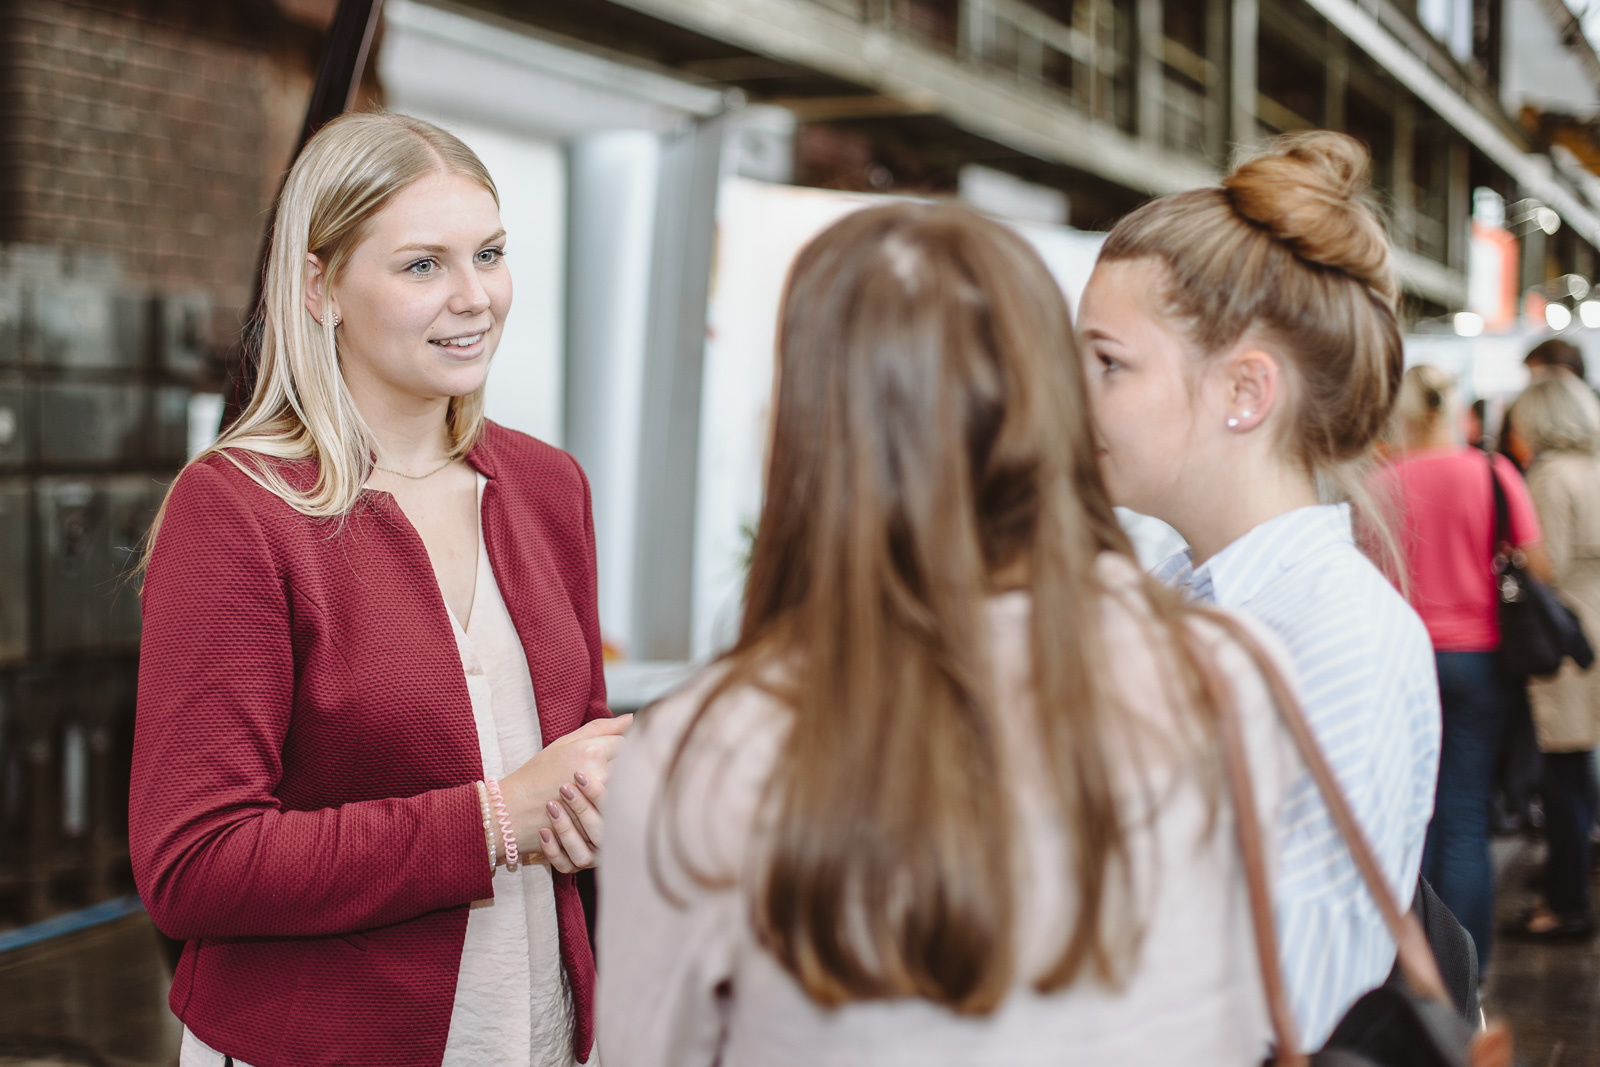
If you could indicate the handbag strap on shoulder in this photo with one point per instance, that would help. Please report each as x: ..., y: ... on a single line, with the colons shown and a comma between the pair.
x: 1416, y: 958
x: 1502, y: 510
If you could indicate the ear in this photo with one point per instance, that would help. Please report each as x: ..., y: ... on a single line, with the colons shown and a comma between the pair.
x: 1253, y: 379
x: 318, y: 302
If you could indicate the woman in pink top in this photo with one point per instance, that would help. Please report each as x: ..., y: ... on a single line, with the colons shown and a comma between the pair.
x: 1445, y: 502
x: 953, y: 797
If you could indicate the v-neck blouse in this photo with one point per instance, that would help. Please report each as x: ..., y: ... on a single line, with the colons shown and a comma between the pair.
x: 511, y: 1003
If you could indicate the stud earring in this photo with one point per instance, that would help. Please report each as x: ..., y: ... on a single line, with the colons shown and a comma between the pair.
x: 1233, y: 423
x: 335, y: 320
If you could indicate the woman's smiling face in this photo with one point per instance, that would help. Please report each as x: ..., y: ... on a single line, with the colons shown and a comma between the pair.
x: 1141, y: 392
x: 423, y: 299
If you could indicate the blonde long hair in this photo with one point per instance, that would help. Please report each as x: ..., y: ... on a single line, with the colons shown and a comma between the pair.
x: 301, y: 408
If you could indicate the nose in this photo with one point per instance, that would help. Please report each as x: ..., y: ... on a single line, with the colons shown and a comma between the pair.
x: 469, y: 297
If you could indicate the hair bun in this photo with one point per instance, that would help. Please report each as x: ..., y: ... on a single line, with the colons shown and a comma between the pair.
x: 1309, y: 191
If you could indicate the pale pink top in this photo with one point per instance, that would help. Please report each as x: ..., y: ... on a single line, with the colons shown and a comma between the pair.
x: 686, y: 983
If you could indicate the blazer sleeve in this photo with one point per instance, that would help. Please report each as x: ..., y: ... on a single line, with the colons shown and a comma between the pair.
x: 214, y: 852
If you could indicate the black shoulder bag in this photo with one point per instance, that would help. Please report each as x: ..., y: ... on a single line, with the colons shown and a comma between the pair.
x: 1537, y: 631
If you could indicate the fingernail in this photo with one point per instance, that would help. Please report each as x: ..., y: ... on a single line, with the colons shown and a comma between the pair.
x: 568, y: 793
x: 554, y: 809
x: 582, y: 779
x: 544, y: 835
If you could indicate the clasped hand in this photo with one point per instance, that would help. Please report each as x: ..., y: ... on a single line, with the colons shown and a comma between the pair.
x: 554, y: 799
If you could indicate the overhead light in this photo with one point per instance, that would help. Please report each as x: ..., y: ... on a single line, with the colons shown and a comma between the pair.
x: 1589, y: 312
x: 1557, y: 317
x: 1470, y: 323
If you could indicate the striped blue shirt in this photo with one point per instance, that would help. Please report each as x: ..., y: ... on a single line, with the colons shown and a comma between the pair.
x: 1365, y: 674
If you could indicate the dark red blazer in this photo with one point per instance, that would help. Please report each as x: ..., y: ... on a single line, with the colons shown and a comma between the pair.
x: 303, y: 811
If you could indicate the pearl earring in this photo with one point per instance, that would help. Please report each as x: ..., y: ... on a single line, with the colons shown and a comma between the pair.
x: 1233, y: 423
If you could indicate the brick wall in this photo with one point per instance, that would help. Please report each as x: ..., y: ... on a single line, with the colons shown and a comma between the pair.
x: 154, y: 131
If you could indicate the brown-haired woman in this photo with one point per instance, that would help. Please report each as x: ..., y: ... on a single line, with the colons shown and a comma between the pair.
x: 949, y: 799
x: 1243, y: 356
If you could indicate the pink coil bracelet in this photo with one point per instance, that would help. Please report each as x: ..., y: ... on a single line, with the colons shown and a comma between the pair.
x: 507, y: 838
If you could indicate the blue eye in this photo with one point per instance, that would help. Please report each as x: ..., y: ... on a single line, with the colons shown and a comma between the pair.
x: 422, y: 267
x: 1107, y: 363
x: 490, y: 255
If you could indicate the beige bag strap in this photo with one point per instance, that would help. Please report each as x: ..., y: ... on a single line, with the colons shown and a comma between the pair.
x: 1241, y: 792
x: 1416, y: 958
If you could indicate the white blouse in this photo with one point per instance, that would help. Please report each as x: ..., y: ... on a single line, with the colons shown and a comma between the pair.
x: 512, y: 1004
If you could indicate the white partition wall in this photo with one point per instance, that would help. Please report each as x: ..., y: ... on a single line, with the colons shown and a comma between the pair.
x: 760, y: 228
x: 614, y: 178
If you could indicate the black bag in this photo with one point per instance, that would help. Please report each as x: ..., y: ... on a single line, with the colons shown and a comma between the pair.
x: 1537, y: 631
x: 1412, y: 1023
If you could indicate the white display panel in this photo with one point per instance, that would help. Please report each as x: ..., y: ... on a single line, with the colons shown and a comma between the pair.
x: 761, y: 227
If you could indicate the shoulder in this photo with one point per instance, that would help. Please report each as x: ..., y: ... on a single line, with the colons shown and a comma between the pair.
x: 1502, y: 465
x: 526, y: 464
x: 1139, y: 642
x: 217, y: 521
x: 742, y: 722
x: 223, y: 490
x: 1337, y: 608
x: 1563, y: 470
x: 724, y: 751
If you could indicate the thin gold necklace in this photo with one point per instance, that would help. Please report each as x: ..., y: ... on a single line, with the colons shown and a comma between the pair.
x: 417, y: 477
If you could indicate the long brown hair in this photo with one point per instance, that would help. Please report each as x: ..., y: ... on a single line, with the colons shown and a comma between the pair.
x: 930, y: 434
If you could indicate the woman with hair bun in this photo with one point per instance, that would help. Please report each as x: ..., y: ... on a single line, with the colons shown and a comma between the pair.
x: 1442, y: 492
x: 1243, y: 357
x: 363, y: 605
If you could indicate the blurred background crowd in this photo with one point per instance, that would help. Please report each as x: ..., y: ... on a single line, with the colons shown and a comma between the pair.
x: 660, y: 162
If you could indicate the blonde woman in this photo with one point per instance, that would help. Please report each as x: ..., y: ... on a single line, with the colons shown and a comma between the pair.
x: 1555, y: 434
x: 363, y: 607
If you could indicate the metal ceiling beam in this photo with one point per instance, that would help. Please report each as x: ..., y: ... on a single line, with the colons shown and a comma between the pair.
x: 1533, y: 173
x: 832, y: 42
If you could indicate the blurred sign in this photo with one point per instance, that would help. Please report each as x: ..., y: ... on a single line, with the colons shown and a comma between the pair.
x: 1492, y: 275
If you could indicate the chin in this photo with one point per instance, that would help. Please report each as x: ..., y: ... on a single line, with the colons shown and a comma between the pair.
x: 460, y: 384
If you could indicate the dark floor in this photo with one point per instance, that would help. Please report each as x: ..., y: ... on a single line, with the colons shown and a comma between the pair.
x: 1549, y: 993
x: 99, y: 997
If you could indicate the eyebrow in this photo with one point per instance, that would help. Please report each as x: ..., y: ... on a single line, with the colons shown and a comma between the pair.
x: 1100, y: 335
x: 441, y: 249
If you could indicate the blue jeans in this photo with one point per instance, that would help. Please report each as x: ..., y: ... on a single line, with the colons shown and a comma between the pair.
x: 1476, y: 699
